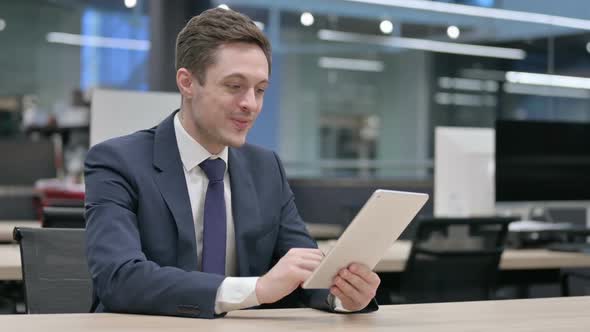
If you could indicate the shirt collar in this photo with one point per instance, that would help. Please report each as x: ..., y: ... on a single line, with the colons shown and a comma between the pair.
x: 192, y: 153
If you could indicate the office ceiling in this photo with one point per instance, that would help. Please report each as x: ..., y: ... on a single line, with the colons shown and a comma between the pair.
x: 364, y: 18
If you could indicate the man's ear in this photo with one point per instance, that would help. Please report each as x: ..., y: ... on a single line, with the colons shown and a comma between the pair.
x: 184, y: 82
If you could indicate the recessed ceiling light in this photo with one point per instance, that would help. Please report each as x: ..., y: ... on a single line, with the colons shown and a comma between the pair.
x: 2, y: 24
x: 130, y: 3
x: 453, y: 32
x: 386, y: 27
x: 306, y: 19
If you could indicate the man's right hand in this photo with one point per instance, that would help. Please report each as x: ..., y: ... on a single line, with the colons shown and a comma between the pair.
x: 289, y: 272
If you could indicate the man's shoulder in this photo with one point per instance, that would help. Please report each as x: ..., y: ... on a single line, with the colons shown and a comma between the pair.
x: 255, y: 154
x: 259, y: 162
x: 255, y: 150
x: 138, y: 143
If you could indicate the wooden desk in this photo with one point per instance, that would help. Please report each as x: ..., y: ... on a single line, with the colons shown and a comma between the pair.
x: 7, y: 226
x: 10, y: 267
x: 521, y: 259
x: 538, y: 315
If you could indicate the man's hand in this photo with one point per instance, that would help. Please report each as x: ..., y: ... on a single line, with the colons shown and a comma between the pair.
x: 289, y: 272
x: 355, y: 286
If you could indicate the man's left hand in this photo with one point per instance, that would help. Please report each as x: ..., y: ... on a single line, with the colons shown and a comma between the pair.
x: 355, y: 286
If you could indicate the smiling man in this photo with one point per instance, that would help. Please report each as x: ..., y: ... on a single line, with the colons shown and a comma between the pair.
x: 185, y: 218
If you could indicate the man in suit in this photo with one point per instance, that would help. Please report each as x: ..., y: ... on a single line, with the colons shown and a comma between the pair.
x: 185, y: 218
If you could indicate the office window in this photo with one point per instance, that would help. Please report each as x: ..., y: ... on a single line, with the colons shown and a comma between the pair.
x: 123, y: 66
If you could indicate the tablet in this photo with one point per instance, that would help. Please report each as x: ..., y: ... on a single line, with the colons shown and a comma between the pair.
x: 374, y: 229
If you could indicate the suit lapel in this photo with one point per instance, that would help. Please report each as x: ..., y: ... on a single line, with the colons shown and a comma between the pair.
x: 172, y: 185
x: 245, y: 210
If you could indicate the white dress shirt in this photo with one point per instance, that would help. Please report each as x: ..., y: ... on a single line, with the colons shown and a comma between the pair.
x: 234, y: 293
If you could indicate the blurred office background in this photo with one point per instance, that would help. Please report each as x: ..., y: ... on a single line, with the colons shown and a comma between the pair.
x: 357, y: 86
x: 357, y: 89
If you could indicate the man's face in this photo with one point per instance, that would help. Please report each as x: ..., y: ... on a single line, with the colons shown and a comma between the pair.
x: 225, y: 107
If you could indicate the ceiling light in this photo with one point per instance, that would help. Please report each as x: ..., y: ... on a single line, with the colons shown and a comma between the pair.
x: 468, y: 84
x: 495, y: 13
x: 223, y: 6
x: 130, y: 3
x: 2, y: 24
x: 424, y: 45
x: 545, y: 91
x: 259, y: 24
x: 386, y: 27
x: 588, y: 47
x: 453, y: 32
x: 351, y: 64
x: 306, y: 19
x: 548, y: 80
x: 96, y: 41
x: 446, y: 83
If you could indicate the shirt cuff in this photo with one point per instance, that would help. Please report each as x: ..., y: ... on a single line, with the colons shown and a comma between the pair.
x: 336, y: 304
x: 236, y: 293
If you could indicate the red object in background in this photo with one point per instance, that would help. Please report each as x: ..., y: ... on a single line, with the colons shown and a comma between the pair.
x: 60, y: 193
x: 57, y: 197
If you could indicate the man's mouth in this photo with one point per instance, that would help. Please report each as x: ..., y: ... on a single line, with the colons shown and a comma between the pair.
x: 241, y: 124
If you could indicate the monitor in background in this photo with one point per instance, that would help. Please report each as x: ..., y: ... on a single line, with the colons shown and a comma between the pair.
x: 464, y: 172
x: 542, y: 163
x: 23, y: 162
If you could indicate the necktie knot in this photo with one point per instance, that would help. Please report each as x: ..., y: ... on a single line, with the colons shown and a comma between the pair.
x: 214, y: 169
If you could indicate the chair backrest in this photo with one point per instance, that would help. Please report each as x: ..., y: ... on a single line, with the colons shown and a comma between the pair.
x: 454, y: 259
x: 63, y: 217
x: 55, y: 271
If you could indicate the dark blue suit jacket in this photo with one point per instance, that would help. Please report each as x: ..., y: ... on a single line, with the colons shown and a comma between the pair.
x: 140, y: 233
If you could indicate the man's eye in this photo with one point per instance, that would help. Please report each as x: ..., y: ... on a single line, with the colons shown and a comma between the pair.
x: 233, y: 86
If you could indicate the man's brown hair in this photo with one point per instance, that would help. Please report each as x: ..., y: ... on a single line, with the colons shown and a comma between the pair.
x: 201, y: 37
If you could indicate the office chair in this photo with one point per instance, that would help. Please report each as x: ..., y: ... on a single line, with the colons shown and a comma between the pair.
x: 578, y: 278
x: 63, y: 217
x: 55, y: 272
x: 454, y: 259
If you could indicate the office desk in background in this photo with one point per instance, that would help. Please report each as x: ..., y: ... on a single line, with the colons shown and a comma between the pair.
x: 10, y: 267
x: 393, y: 261
x: 520, y: 269
x: 7, y: 227
x: 395, y: 258
x: 539, y: 315
x: 317, y: 231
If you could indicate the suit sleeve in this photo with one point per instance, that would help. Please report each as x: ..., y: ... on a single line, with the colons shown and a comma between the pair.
x: 123, y: 278
x: 293, y: 234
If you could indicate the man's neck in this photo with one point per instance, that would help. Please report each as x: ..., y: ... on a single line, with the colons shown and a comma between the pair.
x: 187, y: 123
